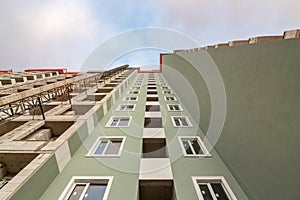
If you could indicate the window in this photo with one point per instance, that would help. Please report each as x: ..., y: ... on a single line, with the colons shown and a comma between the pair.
x: 151, y: 84
x: 192, y: 146
x: 135, y: 88
x: 174, y: 107
x: 212, y: 188
x: 87, y: 188
x: 129, y: 107
x: 107, y: 146
x: 181, y: 121
x: 165, y: 88
x: 130, y: 98
x: 118, y: 122
x: 133, y: 92
x: 167, y: 92
x: 170, y: 99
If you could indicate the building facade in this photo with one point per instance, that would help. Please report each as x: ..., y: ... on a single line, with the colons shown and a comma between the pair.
x: 213, y: 124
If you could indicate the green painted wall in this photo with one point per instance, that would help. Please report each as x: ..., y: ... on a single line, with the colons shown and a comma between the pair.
x: 189, y: 84
x: 183, y: 168
x: 76, y: 139
x: 260, y: 139
x: 124, y: 169
x: 39, y: 182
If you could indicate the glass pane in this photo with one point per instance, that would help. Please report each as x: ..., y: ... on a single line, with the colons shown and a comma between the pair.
x: 205, y: 192
x: 76, y: 193
x: 196, y: 146
x: 187, y: 147
x: 184, y: 122
x: 123, y: 122
x: 219, y: 191
x: 130, y: 107
x: 95, y: 192
x: 114, y: 122
x: 122, y: 108
x: 177, y: 123
x: 101, y: 147
x: 113, y: 147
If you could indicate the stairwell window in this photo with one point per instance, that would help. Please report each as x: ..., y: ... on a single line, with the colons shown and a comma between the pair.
x: 212, y: 188
x: 107, y: 147
x: 87, y: 187
x: 181, y: 121
x: 192, y: 146
x: 119, y: 122
x: 128, y: 107
x: 174, y: 107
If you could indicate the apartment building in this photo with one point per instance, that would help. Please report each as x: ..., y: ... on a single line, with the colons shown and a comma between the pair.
x: 216, y: 123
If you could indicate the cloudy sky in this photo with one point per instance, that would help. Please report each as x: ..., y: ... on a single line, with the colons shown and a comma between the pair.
x: 63, y: 33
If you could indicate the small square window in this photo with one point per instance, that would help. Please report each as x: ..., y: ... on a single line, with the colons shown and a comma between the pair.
x: 130, y: 98
x: 107, y: 146
x: 170, y: 98
x: 181, y: 121
x: 133, y: 92
x: 193, y: 146
x: 174, y: 107
x: 119, y: 122
x: 87, y: 187
x: 126, y: 107
x: 214, y: 187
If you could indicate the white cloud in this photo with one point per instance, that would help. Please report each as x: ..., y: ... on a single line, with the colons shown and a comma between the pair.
x: 222, y: 20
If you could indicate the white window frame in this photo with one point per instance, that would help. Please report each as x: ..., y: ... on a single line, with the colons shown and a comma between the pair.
x: 108, y: 124
x: 132, y: 92
x: 86, y: 180
x: 212, y: 179
x: 187, y: 121
x: 124, y: 99
x: 165, y: 97
x: 201, y: 144
x: 119, y: 107
x: 179, y: 106
x: 91, y: 152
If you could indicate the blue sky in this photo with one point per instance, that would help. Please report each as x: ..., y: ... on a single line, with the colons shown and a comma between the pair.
x: 63, y: 33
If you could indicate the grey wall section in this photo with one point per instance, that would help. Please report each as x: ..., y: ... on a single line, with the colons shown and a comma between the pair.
x: 189, y: 84
x: 260, y: 139
x: 77, y: 138
x: 39, y: 182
